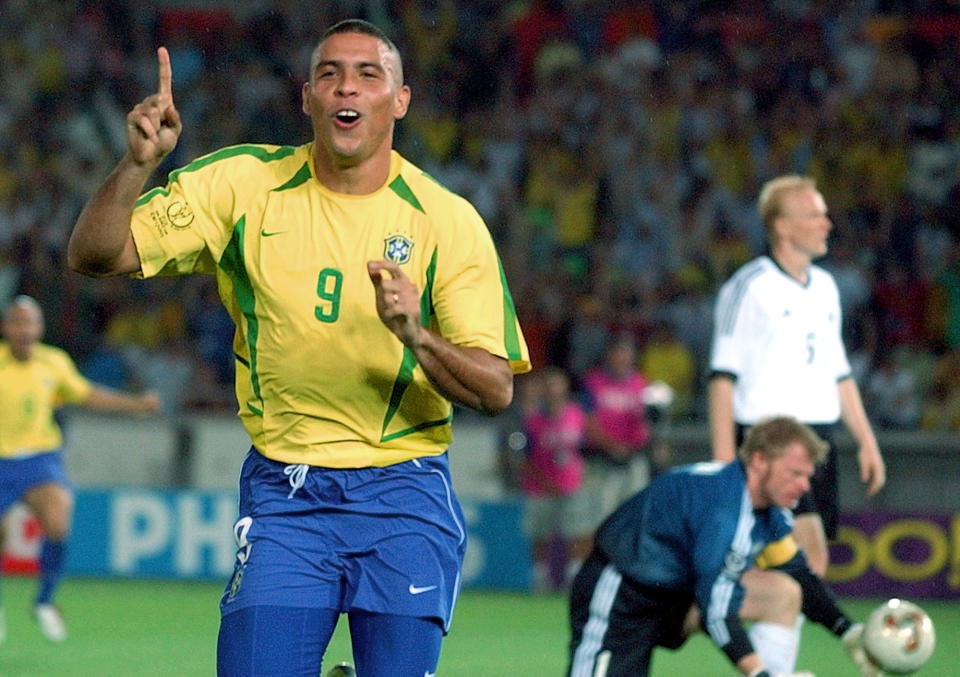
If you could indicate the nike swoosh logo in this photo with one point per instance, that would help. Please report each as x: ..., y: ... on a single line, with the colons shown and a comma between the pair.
x: 271, y: 233
x: 414, y: 590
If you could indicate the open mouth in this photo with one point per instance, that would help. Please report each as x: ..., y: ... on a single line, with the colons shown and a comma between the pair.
x: 347, y: 116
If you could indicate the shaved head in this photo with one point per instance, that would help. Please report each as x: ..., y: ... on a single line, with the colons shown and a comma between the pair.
x: 364, y: 28
x: 23, y: 302
x: 22, y: 326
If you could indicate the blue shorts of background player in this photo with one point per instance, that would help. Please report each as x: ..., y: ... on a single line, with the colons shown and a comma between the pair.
x: 383, y: 545
x: 20, y: 474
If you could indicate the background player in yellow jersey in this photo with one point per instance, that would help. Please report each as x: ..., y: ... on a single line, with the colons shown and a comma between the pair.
x: 367, y: 299
x: 36, y: 379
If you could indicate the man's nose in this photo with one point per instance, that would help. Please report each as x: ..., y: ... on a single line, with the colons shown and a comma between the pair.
x: 347, y: 84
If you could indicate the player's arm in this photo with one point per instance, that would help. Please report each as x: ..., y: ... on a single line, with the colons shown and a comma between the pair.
x: 873, y: 471
x: 726, y: 361
x: 471, y: 377
x: 101, y: 242
x: 720, y: 407
x: 719, y: 597
x: 107, y: 399
x: 721, y: 613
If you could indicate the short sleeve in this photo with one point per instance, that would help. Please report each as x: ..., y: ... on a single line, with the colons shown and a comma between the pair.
x: 471, y: 299
x: 72, y: 386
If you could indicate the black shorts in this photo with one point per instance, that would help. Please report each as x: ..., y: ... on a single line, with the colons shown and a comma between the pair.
x: 615, y: 623
x: 822, y: 498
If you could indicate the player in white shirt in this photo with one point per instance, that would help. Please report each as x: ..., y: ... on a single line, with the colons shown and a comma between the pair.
x: 770, y: 330
x: 777, y: 349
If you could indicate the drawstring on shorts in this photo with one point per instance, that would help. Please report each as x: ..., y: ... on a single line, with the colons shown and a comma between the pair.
x: 298, y: 475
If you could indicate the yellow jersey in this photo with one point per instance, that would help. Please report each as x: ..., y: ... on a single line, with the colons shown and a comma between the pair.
x: 30, y: 393
x: 320, y: 380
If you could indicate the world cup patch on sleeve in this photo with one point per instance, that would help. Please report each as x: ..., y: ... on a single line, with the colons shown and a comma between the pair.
x: 397, y: 248
x: 180, y: 215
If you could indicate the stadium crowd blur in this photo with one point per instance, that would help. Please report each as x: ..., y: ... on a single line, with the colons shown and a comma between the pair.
x: 614, y: 149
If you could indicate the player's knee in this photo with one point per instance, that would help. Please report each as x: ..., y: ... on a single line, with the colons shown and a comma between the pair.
x: 59, y: 517
x: 55, y: 522
x: 772, y: 597
x: 789, y: 596
x: 795, y: 596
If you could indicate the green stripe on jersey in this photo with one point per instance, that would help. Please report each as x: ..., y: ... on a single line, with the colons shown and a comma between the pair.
x: 400, y: 187
x: 409, y: 362
x: 301, y: 177
x: 416, y: 428
x: 232, y: 263
x: 426, y: 299
x: 258, y: 152
x: 511, y: 341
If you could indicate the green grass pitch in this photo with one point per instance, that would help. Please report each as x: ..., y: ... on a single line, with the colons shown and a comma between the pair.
x: 121, y: 628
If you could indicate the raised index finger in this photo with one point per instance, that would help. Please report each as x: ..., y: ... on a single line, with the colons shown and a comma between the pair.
x: 165, y: 81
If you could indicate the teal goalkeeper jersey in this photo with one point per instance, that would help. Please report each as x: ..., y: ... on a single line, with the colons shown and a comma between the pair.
x: 320, y: 380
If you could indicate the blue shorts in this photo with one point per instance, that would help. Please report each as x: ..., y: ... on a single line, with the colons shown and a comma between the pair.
x: 385, y: 540
x: 20, y: 474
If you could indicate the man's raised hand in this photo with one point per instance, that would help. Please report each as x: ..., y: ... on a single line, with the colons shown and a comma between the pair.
x: 153, y: 126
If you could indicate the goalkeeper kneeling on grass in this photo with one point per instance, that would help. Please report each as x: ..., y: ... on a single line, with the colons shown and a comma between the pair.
x: 685, y: 554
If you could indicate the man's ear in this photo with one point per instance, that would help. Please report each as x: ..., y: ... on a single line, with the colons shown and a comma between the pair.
x: 401, y: 103
x: 305, y: 98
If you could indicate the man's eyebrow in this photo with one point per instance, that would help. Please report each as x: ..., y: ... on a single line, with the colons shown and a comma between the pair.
x: 340, y: 64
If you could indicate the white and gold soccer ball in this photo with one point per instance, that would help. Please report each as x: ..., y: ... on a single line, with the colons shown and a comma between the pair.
x: 898, y: 637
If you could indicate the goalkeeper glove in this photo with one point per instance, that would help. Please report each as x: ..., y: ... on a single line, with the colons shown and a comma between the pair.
x: 853, y: 644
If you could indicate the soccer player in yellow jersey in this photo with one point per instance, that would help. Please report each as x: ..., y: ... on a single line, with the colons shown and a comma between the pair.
x: 367, y: 300
x: 36, y: 379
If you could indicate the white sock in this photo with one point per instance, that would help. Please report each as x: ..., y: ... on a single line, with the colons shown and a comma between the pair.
x: 777, y: 646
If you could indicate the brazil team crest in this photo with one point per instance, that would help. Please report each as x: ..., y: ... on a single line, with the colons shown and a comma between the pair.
x: 397, y: 248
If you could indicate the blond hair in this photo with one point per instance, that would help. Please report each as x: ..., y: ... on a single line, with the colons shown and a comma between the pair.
x: 772, y: 436
x: 770, y: 201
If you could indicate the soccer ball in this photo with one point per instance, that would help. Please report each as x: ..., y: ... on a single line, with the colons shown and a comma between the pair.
x: 898, y: 637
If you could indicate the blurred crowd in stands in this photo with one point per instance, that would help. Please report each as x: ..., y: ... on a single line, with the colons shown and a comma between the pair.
x: 614, y: 148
